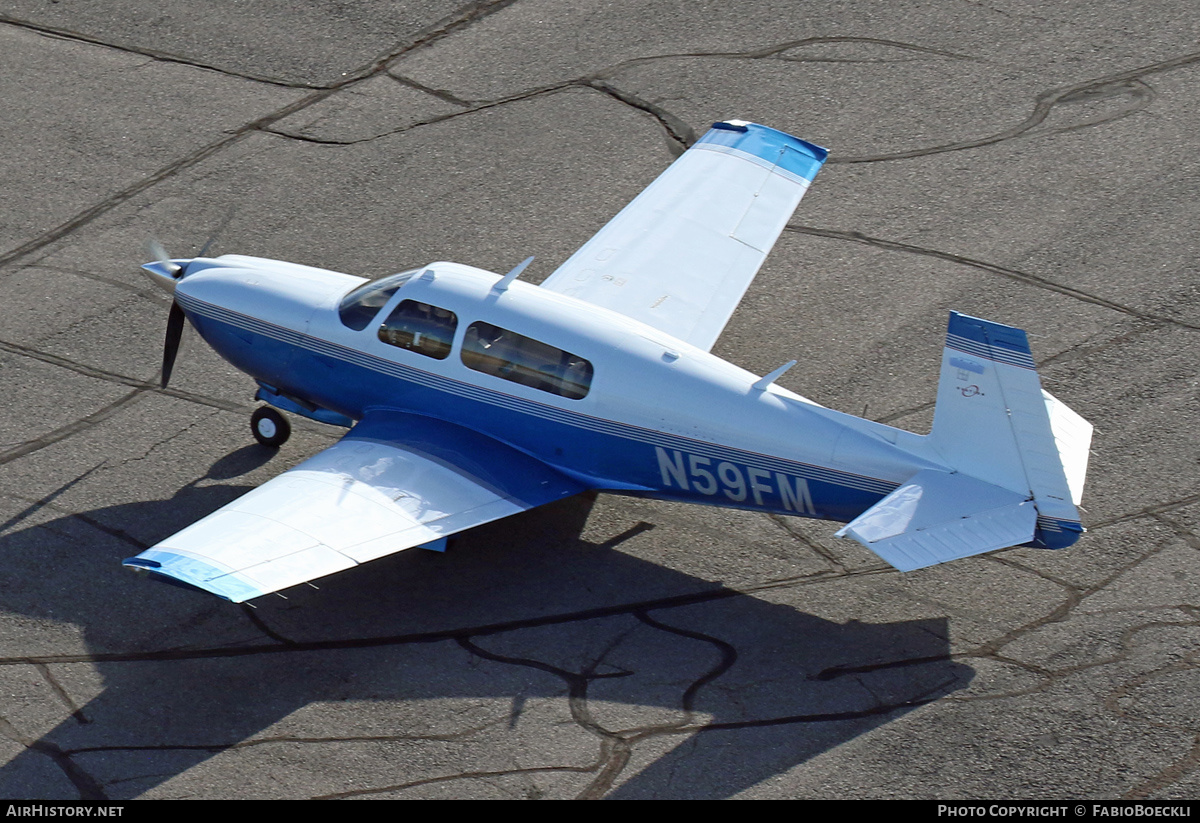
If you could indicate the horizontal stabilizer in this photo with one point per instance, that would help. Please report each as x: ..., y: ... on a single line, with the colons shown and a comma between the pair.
x: 936, y: 517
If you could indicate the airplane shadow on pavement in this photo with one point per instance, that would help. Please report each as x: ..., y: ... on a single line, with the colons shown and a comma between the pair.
x: 528, y: 653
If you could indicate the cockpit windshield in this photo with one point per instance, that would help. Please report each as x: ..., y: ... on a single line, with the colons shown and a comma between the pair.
x: 359, y: 307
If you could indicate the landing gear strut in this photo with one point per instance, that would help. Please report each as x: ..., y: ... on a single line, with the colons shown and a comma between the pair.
x: 270, y: 427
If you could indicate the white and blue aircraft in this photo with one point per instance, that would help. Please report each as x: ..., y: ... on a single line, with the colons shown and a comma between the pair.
x: 472, y: 396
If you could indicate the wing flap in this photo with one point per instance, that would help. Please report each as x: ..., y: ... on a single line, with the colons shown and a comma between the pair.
x: 937, y: 516
x: 682, y: 254
x: 394, y: 482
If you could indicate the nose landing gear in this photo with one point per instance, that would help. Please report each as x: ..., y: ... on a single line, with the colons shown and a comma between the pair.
x: 270, y: 427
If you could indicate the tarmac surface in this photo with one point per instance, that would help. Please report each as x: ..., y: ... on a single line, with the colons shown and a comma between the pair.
x: 1036, y: 164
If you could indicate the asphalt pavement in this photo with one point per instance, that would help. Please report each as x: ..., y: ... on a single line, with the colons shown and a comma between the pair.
x: 1035, y: 164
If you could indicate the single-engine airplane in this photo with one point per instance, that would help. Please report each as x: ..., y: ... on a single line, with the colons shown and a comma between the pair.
x: 471, y: 396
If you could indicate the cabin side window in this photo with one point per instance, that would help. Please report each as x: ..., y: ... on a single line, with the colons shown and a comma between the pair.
x: 359, y: 307
x: 420, y: 327
x: 511, y: 356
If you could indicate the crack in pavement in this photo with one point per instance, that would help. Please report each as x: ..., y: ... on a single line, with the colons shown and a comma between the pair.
x: 465, y: 16
x: 1075, y: 596
x: 145, y: 386
x: 614, y: 759
x: 61, y: 693
x: 63, y: 432
x: 680, y: 135
x: 441, y: 94
x: 440, y: 118
x: 785, y: 524
x: 1151, y: 511
x: 432, y: 781
x: 150, y: 293
x: 87, y: 786
x: 196, y: 421
x: 616, y: 746
x: 153, y: 54
x: 296, y: 646
x: 1129, y: 82
x: 287, y: 739
x: 1181, y: 767
x: 1011, y: 274
x: 91, y: 789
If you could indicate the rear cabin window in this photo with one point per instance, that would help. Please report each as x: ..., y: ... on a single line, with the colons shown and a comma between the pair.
x: 503, y: 353
x: 359, y: 307
x: 420, y: 327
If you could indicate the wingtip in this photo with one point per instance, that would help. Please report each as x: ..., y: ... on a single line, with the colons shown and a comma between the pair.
x: 189, y: 573
x: 767, y: 145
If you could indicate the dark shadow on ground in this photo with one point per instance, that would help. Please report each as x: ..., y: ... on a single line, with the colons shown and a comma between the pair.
x: 736, y: 689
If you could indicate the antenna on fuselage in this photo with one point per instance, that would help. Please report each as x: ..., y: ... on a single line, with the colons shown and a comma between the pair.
x: 506, y: 280
x: 767, y: 380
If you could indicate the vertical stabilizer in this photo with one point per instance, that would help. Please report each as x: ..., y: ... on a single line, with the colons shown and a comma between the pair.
x: 994, y: 422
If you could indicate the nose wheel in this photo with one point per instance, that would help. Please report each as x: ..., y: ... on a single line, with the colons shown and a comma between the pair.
x: 270, y: 427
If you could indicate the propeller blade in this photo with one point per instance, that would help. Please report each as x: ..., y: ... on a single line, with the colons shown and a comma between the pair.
x: 219, y: 230
x: 175, y: 321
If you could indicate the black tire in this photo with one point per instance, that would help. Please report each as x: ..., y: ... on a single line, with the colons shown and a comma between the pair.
x: 269, y: 427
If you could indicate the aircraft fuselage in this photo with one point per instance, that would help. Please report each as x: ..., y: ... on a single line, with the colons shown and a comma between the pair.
x: 659, y: 417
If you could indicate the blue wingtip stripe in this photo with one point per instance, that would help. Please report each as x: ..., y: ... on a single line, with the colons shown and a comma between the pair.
x: 196, y: 573
x: 766, y: 146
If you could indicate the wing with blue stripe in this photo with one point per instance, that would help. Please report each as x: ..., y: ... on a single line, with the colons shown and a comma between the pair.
x: 682, y: 254
x: 396, y: 481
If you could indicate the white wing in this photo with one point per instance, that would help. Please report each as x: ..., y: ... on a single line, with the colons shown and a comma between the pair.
x: 682, y: 254
x: 367, y: 496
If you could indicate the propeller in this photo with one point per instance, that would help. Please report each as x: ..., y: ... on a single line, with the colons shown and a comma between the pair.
x: 166, y: 273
